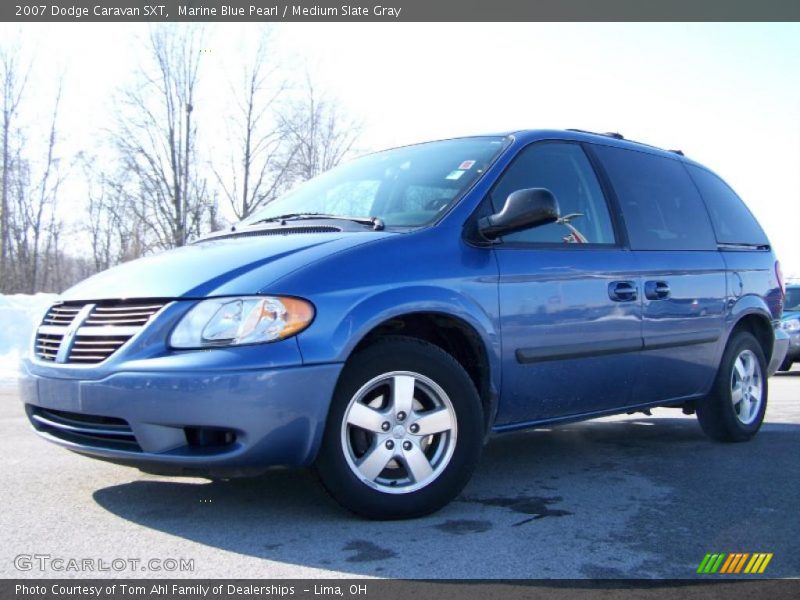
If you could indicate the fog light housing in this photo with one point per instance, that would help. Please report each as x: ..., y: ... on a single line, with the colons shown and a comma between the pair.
x: 209, y: 437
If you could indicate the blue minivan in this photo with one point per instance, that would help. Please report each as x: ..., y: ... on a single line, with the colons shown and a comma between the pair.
x: 383, y: 320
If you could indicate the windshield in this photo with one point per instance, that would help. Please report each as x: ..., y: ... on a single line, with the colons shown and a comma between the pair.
x: 792, y: 299
x: 404, y: 187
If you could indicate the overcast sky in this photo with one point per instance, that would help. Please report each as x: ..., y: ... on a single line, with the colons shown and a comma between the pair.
x: 728, y: 95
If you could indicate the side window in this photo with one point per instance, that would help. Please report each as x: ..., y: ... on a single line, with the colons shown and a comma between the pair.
x: 661, y: 205
x: 733, y: 223
x: 564, y: 169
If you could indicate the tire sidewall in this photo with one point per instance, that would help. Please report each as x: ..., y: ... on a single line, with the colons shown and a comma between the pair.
x: 402, y: 354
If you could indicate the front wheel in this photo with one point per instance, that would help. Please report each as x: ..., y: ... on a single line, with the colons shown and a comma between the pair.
x: 734, y: 410
x: 405, y: 431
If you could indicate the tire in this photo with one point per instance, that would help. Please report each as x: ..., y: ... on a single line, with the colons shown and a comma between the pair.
x: 786, y: 365
x: 734, y: 410
x: 385, y: 379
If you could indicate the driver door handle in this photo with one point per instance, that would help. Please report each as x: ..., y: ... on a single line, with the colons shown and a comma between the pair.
x: 623, y: 291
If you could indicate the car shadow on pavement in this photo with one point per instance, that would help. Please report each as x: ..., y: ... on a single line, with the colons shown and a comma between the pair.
x: 540, y: 500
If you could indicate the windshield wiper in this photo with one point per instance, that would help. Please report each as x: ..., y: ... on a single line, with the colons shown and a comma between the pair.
x: 286, y: 217
x: 374, y: 222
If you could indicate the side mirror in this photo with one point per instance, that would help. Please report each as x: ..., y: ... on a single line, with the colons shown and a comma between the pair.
x: 523, y: 209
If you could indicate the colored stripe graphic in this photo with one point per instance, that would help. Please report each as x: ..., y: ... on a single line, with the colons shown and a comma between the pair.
x: 703, y: 563
x: 717, y: 563
x: 712, y: 558
x: 767, y: 558
x: 741, y: 562
x: 733, y: 563
x: 753, y: 560
x: 728, y: 562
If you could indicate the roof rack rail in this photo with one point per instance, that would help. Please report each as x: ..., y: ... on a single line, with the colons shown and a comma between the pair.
x: 619, y: 136
x: 611, y: 134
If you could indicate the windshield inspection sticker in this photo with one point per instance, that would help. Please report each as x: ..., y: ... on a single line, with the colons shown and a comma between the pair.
x: 466, y: 165
x: 455, y: 175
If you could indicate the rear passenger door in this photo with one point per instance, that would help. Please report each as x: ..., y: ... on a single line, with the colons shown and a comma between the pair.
x: 682, y: 272
x: 569, y: 303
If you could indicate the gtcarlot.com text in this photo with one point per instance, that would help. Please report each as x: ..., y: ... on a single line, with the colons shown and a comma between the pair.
x: 72, y: 564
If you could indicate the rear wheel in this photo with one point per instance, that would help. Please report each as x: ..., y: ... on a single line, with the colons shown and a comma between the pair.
x: 734, y: 410
x: 404, y: 433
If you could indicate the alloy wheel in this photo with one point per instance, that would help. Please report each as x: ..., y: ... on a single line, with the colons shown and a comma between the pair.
x: 399, y: 432
x: 747, y: 389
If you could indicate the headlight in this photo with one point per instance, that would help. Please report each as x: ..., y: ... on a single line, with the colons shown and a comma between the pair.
x: 791, y: 325
x: 247, y: 320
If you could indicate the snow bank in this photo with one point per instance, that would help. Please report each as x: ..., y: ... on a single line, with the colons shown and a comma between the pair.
x: 19, y: 315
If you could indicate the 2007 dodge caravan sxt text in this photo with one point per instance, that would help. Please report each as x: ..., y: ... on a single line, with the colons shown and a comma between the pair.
x: 381, y: 320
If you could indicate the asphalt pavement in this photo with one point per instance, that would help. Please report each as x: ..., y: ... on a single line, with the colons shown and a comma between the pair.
x: 633, y: 496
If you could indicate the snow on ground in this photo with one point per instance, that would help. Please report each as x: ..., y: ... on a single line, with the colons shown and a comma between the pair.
x: 19, y: 315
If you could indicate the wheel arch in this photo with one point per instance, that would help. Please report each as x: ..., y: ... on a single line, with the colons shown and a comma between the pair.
x: 453, y: 322
x: 751, y: 314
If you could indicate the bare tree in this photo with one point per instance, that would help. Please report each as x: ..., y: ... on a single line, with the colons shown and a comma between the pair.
x: 257, y: 167
x: 318, y: 131
x: 31, y: 258
x: 33, y: 224
x: 46, y: 200
x: 115, y: 231
x: 100, y: 226
x: 13, y: 79
x: 105, y: 221
x: 156, y: 138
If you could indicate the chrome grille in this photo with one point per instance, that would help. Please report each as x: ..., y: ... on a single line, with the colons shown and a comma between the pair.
x: 126, y: 315
x: 61, y: 314
x: 47, y: 345
x: 95, y: 348
x: 91, y: 332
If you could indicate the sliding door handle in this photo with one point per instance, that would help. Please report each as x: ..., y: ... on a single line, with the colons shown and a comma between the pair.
x: 656, y: 290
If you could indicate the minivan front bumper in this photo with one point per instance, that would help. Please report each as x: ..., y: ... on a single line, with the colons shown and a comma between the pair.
x: 220, y: 423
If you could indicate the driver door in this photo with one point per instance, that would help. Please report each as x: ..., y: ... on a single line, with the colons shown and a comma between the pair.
x: 570, y: 302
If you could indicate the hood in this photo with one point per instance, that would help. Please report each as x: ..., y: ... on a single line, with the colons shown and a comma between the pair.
x: 221, y: 267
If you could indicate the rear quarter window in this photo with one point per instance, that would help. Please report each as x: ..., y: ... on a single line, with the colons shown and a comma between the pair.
x: 733, y: 222
x: 660, y: 203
